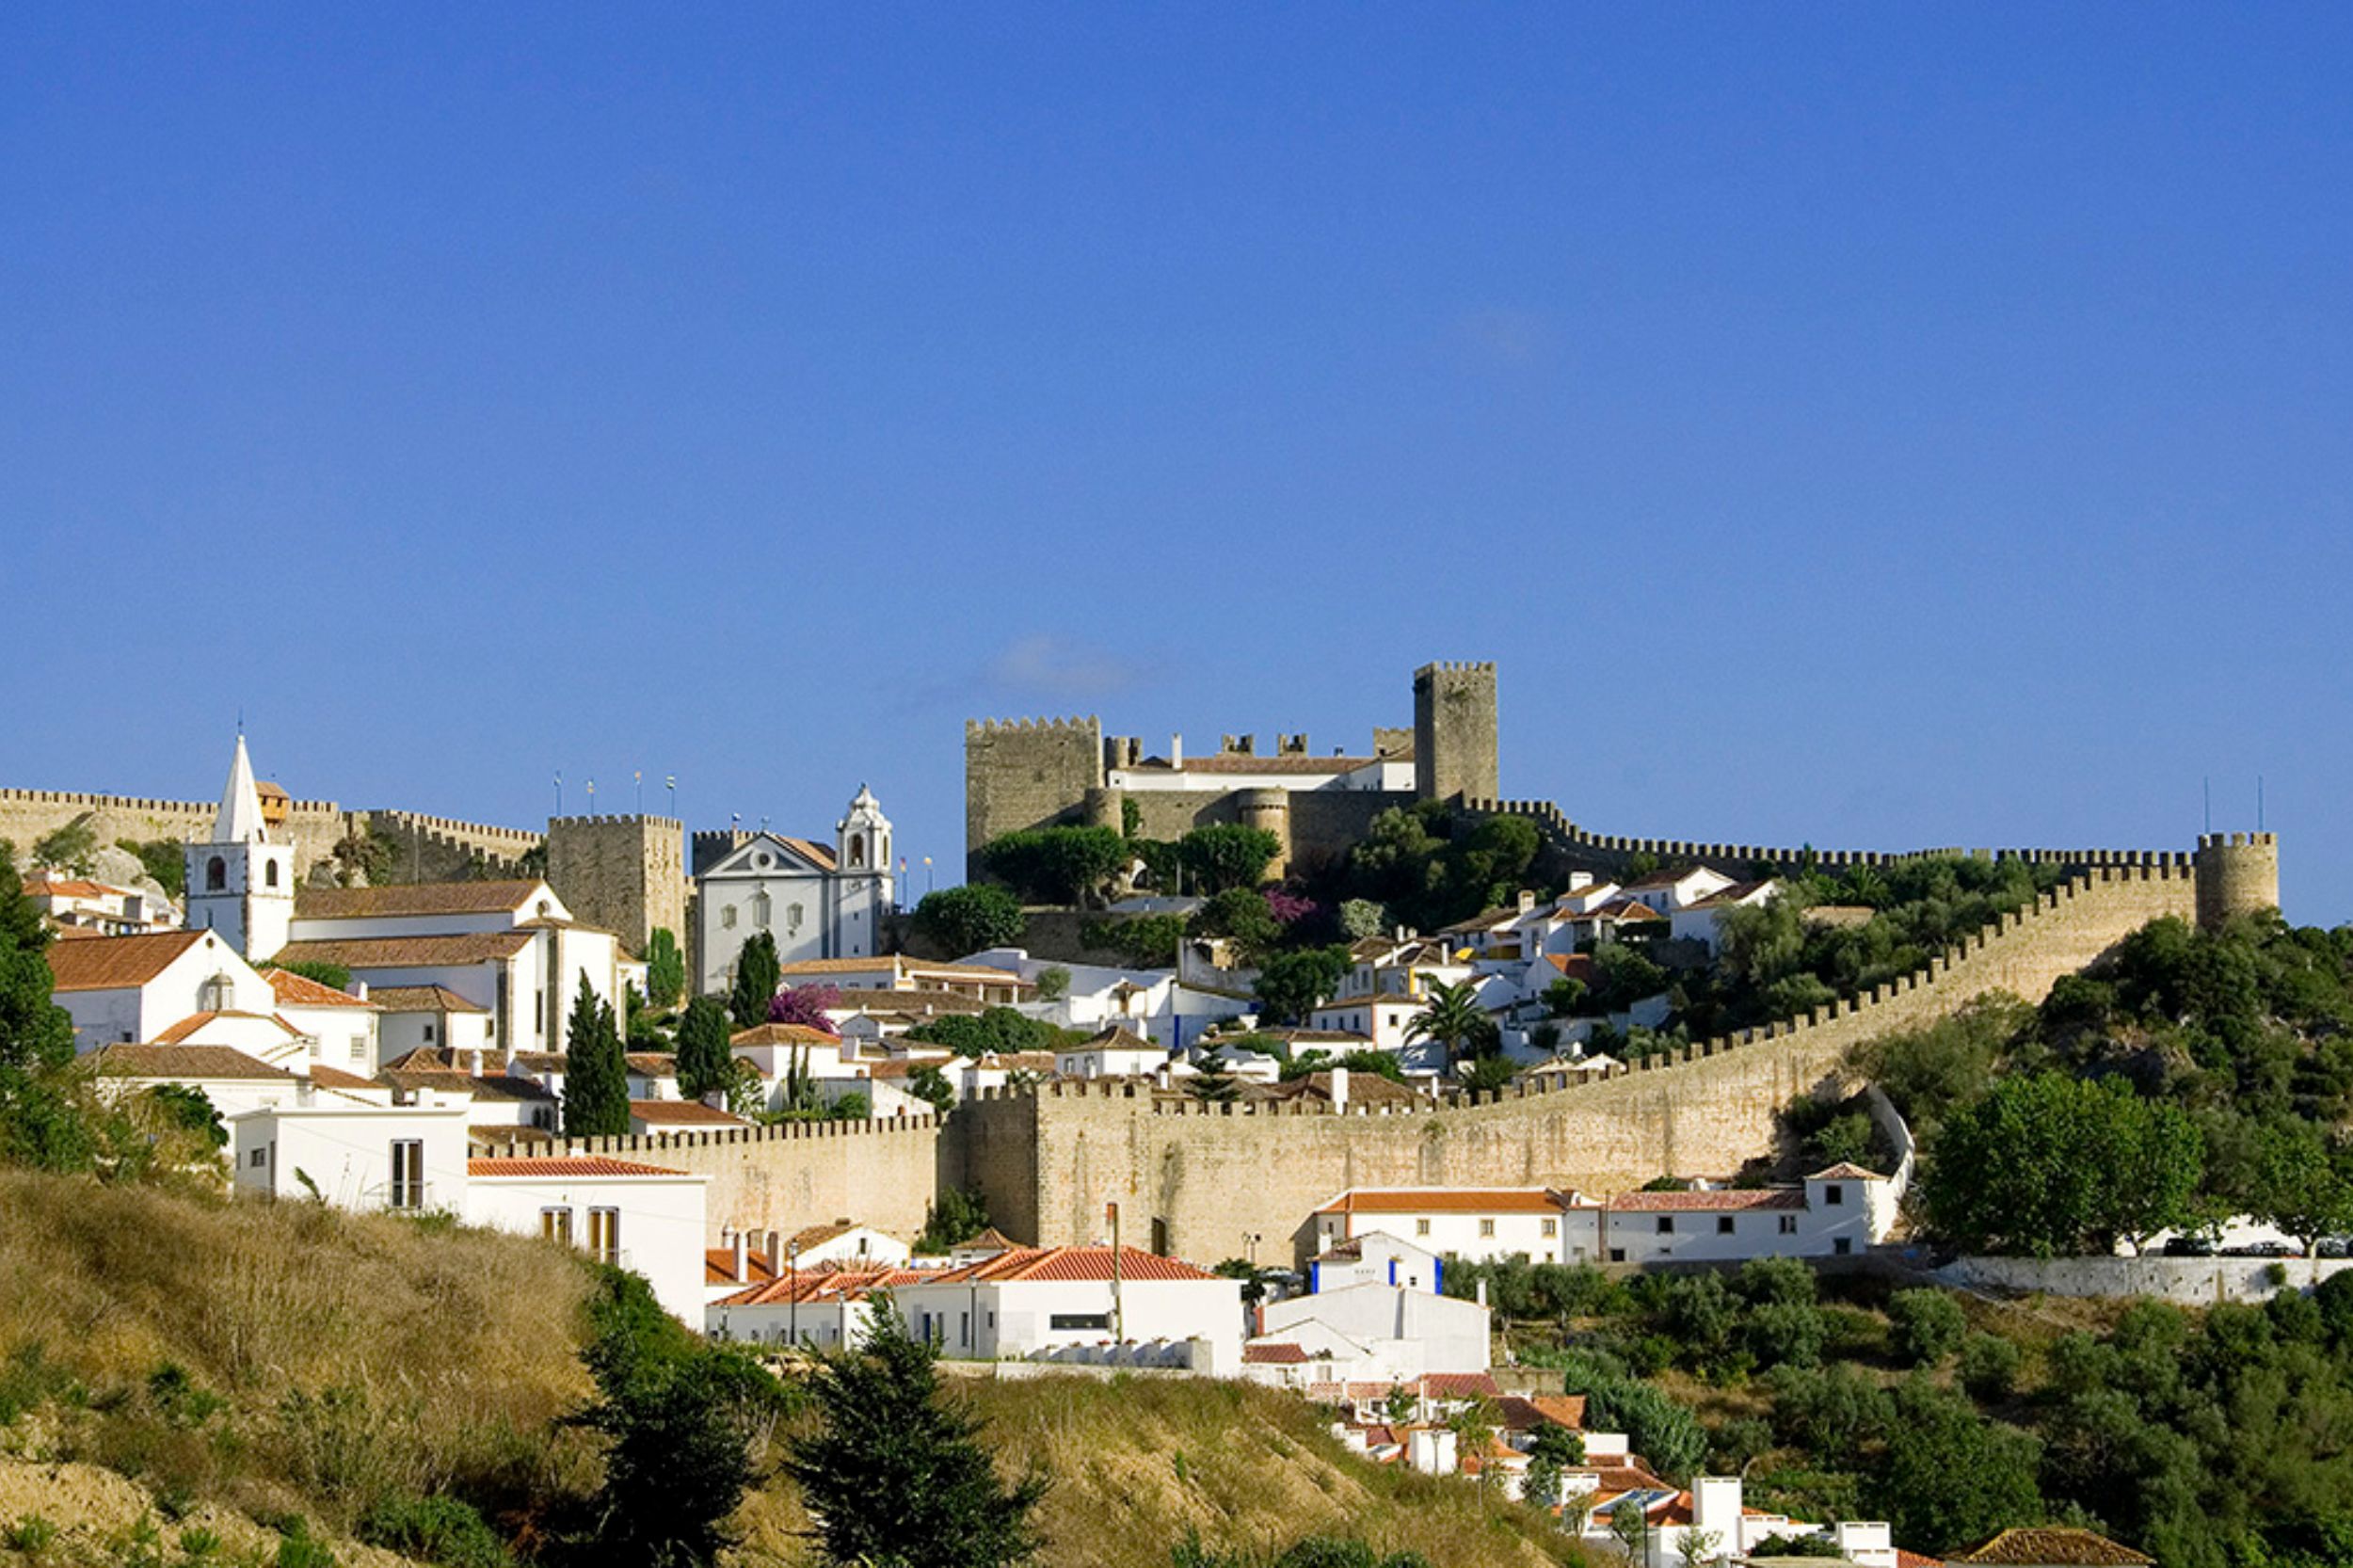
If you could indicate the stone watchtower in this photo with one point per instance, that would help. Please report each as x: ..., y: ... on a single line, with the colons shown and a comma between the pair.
x: 623, y: 874
x: 2238, y: 874
x: 1454, y: 732
x: 1025, y: 773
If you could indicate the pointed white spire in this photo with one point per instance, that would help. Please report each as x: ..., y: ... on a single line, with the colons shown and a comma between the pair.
x: 240, y: 817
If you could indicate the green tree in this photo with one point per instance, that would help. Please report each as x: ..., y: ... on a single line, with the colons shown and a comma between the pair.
x: 892, y: 1475
x: 1058, y: 865
x: 2300, y: 1184
x: 956, y: 1216
x: 1361, y: 918
x: 1212, y: 1084
x: 706, y: 1060
x: 930, y: 1085
x: 39, y: 1124
x: 1451, y: 1018
x: 758, y: 973
x: 1227, y: 856
x: 71, y: 849
x: 1948, y: 1478
x: 1486, y: 1075
x: 1141, y: 941
x: 1241, y: 917
x: 1989, y: 1367
x: 334, y: 976
x: 164, y: 860
x: 666, y: 969
x: 596, y: 1078
x: 2045, y: 1165
x: 1292, y: 984
x: 966, y: 920
x: 680, y: 1419
x: 1053, y: 982
x: 1929, y: 1325
x: 852, y: 1107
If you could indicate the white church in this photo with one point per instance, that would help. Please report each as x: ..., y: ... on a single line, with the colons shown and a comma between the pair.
x: 240, y: 884
x: 817, y: 902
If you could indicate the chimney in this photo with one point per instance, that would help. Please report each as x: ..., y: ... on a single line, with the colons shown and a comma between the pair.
x: 360, y: 990
x: 1581, y: 879
x: 1716, y: 1510
x: 775, y: 1252
x: 743, y: 1256
x: 1340, y: 1089
x: 1527, y: 900
x: 1482, y: 1292
x: 1177, y: 749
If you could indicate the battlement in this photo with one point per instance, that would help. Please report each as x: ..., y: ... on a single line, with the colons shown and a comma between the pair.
x: 776, y: 1132
x: 2238, y: 840
x: 626, y: 819
x: 143, y: 804
x: 1089, y: 725
x: 1465, y: 666
x: 482, y: 834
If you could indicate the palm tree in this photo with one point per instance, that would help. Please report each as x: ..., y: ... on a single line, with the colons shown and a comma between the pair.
x: 1452, y: 1018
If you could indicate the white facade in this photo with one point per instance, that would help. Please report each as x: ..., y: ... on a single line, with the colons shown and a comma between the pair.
x: 135, y: 988
x: 1476, y: 1225
x: 408, y: 1158
x: 1835, y: 1213
x: 1410, y: 1332
x: 1376, y: 1257
x: 636, y: 1216
x: 1028, y: 1319
x: 239, y: 882
x: 815, y: 904
x: 81, y: 905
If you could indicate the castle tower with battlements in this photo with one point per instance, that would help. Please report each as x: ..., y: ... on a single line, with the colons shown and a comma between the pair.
x: 1455, y: 732
x: 623, y: 874
x: 2238, y: 874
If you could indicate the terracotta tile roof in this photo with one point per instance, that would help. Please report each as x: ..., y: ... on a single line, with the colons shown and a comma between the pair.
x: 1448, y: 1200
x: 651, y: 1064
x: 1914, y: 1560
x: 1845, y: 1171
x: 413, y: 898
x: 1327, y: 1393
x: 680, y: 1113
x: 420, y: 999
x: 118, y: 963
x: 335, y: 1078
x: 1282, y: 1355
x: 39, y: 887
x: 1527, y: 1412
x: 1117, y: 1038
x: 991, y: 1240
x: 195, y: 1021
x: 1622, y: 910
x: 1664, y: 879
x: 1573, y: 965
x: 410, y: 952
x: 565, y: 1165
x: 487, y: 1087
x: 2054, y: 1547
x: 188, y: 1062
x: 1724, y: 898
x: 1458, y: 1385
x: 1071, y: 1263
x: 719, y: 1266
x: 827, y: 1284
x: 906, y: 967
x: 539, y: 1060
x: 1717, y: 1201
x: 783, y: 1034
x: 300, y: 990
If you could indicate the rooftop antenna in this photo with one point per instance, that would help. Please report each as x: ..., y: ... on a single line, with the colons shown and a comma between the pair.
x: 2259, y: 803
x: 2208, y: 783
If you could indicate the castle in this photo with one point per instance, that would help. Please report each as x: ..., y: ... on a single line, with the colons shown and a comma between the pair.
x: 1025, y: 773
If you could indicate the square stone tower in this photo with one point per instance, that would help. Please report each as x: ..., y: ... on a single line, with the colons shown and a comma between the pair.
x: 1454, y: 732
x: 1025, y: 773
x: 622, y: 874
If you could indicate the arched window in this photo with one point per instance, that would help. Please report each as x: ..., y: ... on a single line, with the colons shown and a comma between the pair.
x: 857, y: 852
x: 761, y: 911
x: 215, y: 874
x: 270, y: 873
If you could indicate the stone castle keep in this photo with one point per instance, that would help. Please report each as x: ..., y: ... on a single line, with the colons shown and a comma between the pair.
x: 1022, y: 774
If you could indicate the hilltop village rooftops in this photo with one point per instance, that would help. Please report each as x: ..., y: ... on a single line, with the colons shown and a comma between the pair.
x: 300, y: 990
x: 116, y: 963
x: 394, y: 899
x: 191, y: 1062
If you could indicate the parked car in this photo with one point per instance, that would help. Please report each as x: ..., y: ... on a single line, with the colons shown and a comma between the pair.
x: 2265, y: 1249
x: 2188, y: 1246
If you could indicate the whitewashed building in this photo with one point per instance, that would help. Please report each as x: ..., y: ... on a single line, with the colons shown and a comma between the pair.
x: 241, y: 881
x: 1833, y: 1213
x: 136, y: 988
x: 357, y: 1153
x: 817, y: 902
x: 1478, y: 1224
x: 646, y: 1219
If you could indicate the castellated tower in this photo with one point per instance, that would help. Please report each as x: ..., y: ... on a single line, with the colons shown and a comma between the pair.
x: 2238, y: 874
x: 1454, y: 732
x: 1025, y: 773
x: 623, y: 874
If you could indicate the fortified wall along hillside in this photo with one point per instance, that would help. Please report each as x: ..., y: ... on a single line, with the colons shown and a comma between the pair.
x: 1198, y: 1179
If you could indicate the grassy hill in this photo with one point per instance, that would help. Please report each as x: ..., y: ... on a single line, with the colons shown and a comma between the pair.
x: 172, y: 1363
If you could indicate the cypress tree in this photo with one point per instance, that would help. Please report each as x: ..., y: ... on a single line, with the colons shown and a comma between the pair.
x: 596, y: 1079
x: 758, y: 973
x: 666, y: 969
x: 706, y: 1065
x: 38, y: 1123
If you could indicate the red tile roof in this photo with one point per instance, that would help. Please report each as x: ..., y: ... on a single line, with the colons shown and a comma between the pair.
x: 1448, y: 1200
x: 1071, y: 1263
x: 398, y: 899
x: 1458, y: 1385
x: 1845, y: 1171
x: 680, y: 1113
x: 410, y: 952
x: 183, y: 1061
x: 335, y: 1078
x: 420, y: 999
x: 719, y: 1266
x: 1716, y: 1201
x: 195, y: 1021
x: 1527, y: 1412
x: 783, y: 1034
x: 583, y: 1165
x: 1284, y: 1354
x: 118, y: 963
x: 2054, y: 1547
x: 300, y: 990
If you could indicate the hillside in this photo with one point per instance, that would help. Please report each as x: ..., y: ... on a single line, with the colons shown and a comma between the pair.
x: 202, y: 1365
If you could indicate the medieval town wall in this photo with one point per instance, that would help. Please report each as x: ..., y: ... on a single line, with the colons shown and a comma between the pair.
x: 797, y: 1174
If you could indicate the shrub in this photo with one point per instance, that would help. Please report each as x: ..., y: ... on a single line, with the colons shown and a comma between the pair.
x: 1788, y: 1334
x: 1929, y: 1325
x: 1989, y: 1367
x: 438, y: 1529
x: 968, y: 919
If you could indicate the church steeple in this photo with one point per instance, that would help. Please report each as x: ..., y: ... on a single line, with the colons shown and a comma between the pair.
x: 239, y: 820
x: 241, y: 884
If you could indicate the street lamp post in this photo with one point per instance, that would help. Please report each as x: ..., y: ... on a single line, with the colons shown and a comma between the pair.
x: 793, y: 1255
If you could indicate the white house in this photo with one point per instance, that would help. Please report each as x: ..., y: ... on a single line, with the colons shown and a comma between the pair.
x: 818, y: 904
x: 1399, y: 1333
x: 644, y: 1218
x: 821, y: 1309
x: 1664, y: 892
x: 409, y: 1017
x: 357, y: 1153
x: 1076, y: 1303
x: 1377, y: 1258
x: 1711, y: 1522
x: 1479, y: 1225
x: 894, y: 973
x: 135, y: 988
x: 510, y: 946
x: 241, y: 881
x: 1697, y: 922
x: 1151, y: 1002
x: 342, y: 1030
x: 1832, y: 1214
x: 1112, y: 1053
x: 81, y: 905
x: 233, y: 1081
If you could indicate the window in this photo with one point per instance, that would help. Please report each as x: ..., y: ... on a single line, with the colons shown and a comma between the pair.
x: 762, y: 910
x: 727, y: 916
x: 857, y: 852
x: 1789, y: 1224
x: 1842, y: 1246
x: 556, y: 1225
x: 270, y: 873
x: 1723, y: 1224
x: 260, y: 1160
x: 1666, y: 1224
x: 428, y: 1035
x: 408, y: 1172
x: 1421, y: 1227
x: 359, y: 1047
x: 1552, y: 1227
x: 1073, y: 1321
x: 1486, y: 1227
x: 215, y: 874
x: 1834, y: 1193
x: 1617, y: 1255
x: 604, y: 1235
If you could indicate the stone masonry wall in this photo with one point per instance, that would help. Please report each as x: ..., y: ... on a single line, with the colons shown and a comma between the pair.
x: 25, y: 815
x: 1210, y: 1175
x: 1025, y: 773
x: 442, y: 849
x: 1325, y: 823
x: 622, y: 874
x: 798, y: 1173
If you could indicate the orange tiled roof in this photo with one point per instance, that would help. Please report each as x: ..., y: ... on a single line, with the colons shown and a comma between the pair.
x: 300, y: 990
x: 335, y: 1078
x: 1845, y: 1171
x: 564, y: 1165
x: 420, y: 999
x: 1071, y: 1263
x: 1284, y: 1354
x: 410, y: 952
x: 783, y: 1034
x: 186, y: 1062
x: 195, y: 1021
x: 1712, y: 1202
x: 118, y: 963
x: 2054, y: 1547
x: 680, y: 1113
x: 412, y: 898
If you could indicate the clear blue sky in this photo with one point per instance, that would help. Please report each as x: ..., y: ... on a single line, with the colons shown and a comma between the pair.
x: 1867, y: 424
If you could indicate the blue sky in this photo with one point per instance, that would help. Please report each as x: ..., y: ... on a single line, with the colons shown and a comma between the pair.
x: 1865, y: 425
